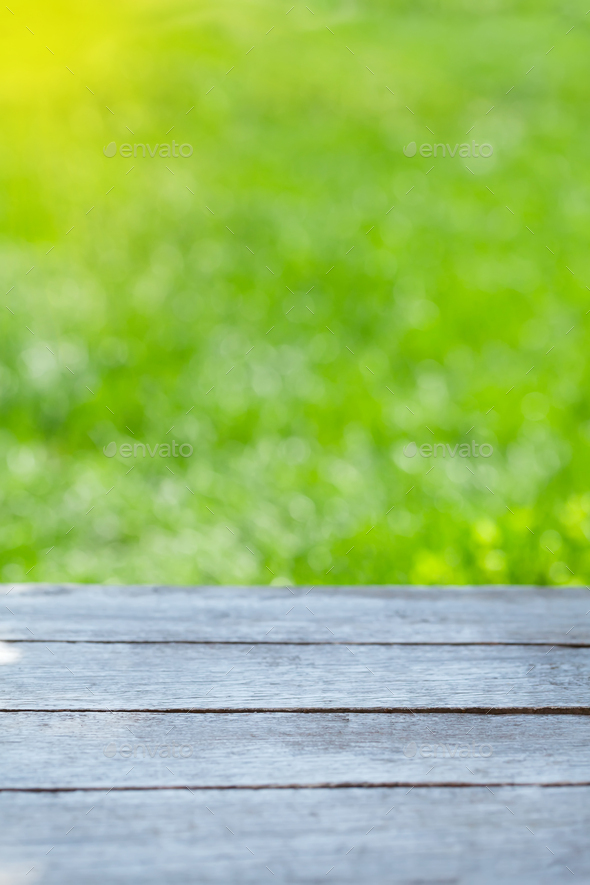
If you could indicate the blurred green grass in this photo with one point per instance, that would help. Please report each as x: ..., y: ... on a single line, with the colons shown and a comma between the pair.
x: 299, y: 332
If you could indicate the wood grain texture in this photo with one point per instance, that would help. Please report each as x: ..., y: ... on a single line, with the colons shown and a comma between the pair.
x: 436, y: 835
x: 94, y: 676
x: 73, y: 750
x: 325, y: 614
x: 140, y: 803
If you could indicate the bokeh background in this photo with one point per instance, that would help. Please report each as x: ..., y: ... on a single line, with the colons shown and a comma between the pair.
x: 297, y: 300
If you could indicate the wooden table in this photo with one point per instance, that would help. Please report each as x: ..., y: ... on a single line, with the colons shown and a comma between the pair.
x: 244, y: 735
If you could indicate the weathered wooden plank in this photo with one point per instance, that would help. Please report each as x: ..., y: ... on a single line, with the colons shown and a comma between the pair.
x: 229, y: 676
x: 256, y: 614
x: 67, y: 750
x: 438, y: 835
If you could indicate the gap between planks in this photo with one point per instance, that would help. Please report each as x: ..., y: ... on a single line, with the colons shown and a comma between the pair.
x: 541, y: 643
x: 491, y: 711
x: 352, y: 785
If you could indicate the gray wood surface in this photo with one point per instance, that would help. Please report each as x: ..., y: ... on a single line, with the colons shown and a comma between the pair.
x: 324, y: 614
x: 70, y: 750
x: 465, y: 836
x: 495, y: 769
x: 176, y: 676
